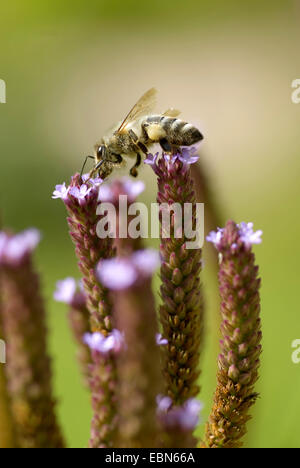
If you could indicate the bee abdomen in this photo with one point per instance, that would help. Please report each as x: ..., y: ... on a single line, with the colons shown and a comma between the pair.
x: 179, y: 132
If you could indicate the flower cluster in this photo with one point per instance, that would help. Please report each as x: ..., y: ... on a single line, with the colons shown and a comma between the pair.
x: 186, y: 156
x: 241, y: 335
x: 246, y: 236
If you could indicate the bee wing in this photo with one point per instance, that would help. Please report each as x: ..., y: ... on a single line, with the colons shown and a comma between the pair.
x: 144, y: 106
x: 172, y: 112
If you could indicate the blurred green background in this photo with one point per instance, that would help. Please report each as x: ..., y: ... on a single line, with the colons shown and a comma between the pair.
x: 73, y: 68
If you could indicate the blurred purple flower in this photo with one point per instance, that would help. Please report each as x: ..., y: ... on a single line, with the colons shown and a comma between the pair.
x: 146, y: 261
x: 104, y: 344
x: 111, y: 192
x: 61, y: 191
x: 164, y: 403
x: 65, y: 290
x: 185, y: 417
x: 116, y: 273
x: 122, y: 273
x: 13, y: 249
x: 70, y: 292
x: 160, y: 341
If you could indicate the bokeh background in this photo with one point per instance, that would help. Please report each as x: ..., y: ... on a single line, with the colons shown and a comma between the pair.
x: 73, y: 68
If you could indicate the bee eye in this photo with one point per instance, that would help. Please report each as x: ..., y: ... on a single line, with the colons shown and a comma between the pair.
x: 101, y: 151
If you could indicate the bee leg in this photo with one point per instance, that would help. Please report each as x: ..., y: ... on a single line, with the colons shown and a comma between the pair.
x: 84, y: 164
x: 166, y: 146
x: 138, y: 143
x: 133, y: 170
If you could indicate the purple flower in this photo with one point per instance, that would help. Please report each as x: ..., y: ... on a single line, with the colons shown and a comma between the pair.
x: 70, y: 292
x: 188, y: 155
x: 122, y: 273
x: 80, y: 193
x: 185, y: 417
x: 65, y: 290
x: 13, y: 249
x: 215, y: 237
x: 61, y: 191
x: 111, y: 192
x: 94, y: 182
x: 151, y: 159
x: 164, y: 403
x: 160, y: 341
x: 248, y: 236
x: 116, y: 273
x: 146, y: 261
x: 104, y: 344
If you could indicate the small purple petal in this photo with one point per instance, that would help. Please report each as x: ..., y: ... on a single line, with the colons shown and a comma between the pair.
x: 188, y: 155
x: 151, y: 159
x: 164, y: 403
x: 61, y: 191
x: 160, y: 341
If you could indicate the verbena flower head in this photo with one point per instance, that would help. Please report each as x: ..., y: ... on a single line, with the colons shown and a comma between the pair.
x: 105, y: 344
x: 160, y: 340
x: 185, y: 417
x: 187, y: 156
x: 70, y: 292
x: 246, y: 236
x: 125, y: 186
x: 14, y: 249
x: 80, y: 192
x: 123, y: 273
x: 77, y: 190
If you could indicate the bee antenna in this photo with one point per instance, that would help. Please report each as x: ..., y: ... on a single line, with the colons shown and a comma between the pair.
x: 84, y: 164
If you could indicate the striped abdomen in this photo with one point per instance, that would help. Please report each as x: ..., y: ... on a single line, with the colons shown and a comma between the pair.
x: 177, y: 132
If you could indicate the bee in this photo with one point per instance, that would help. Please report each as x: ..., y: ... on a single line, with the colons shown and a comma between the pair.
x: 140, y: 129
